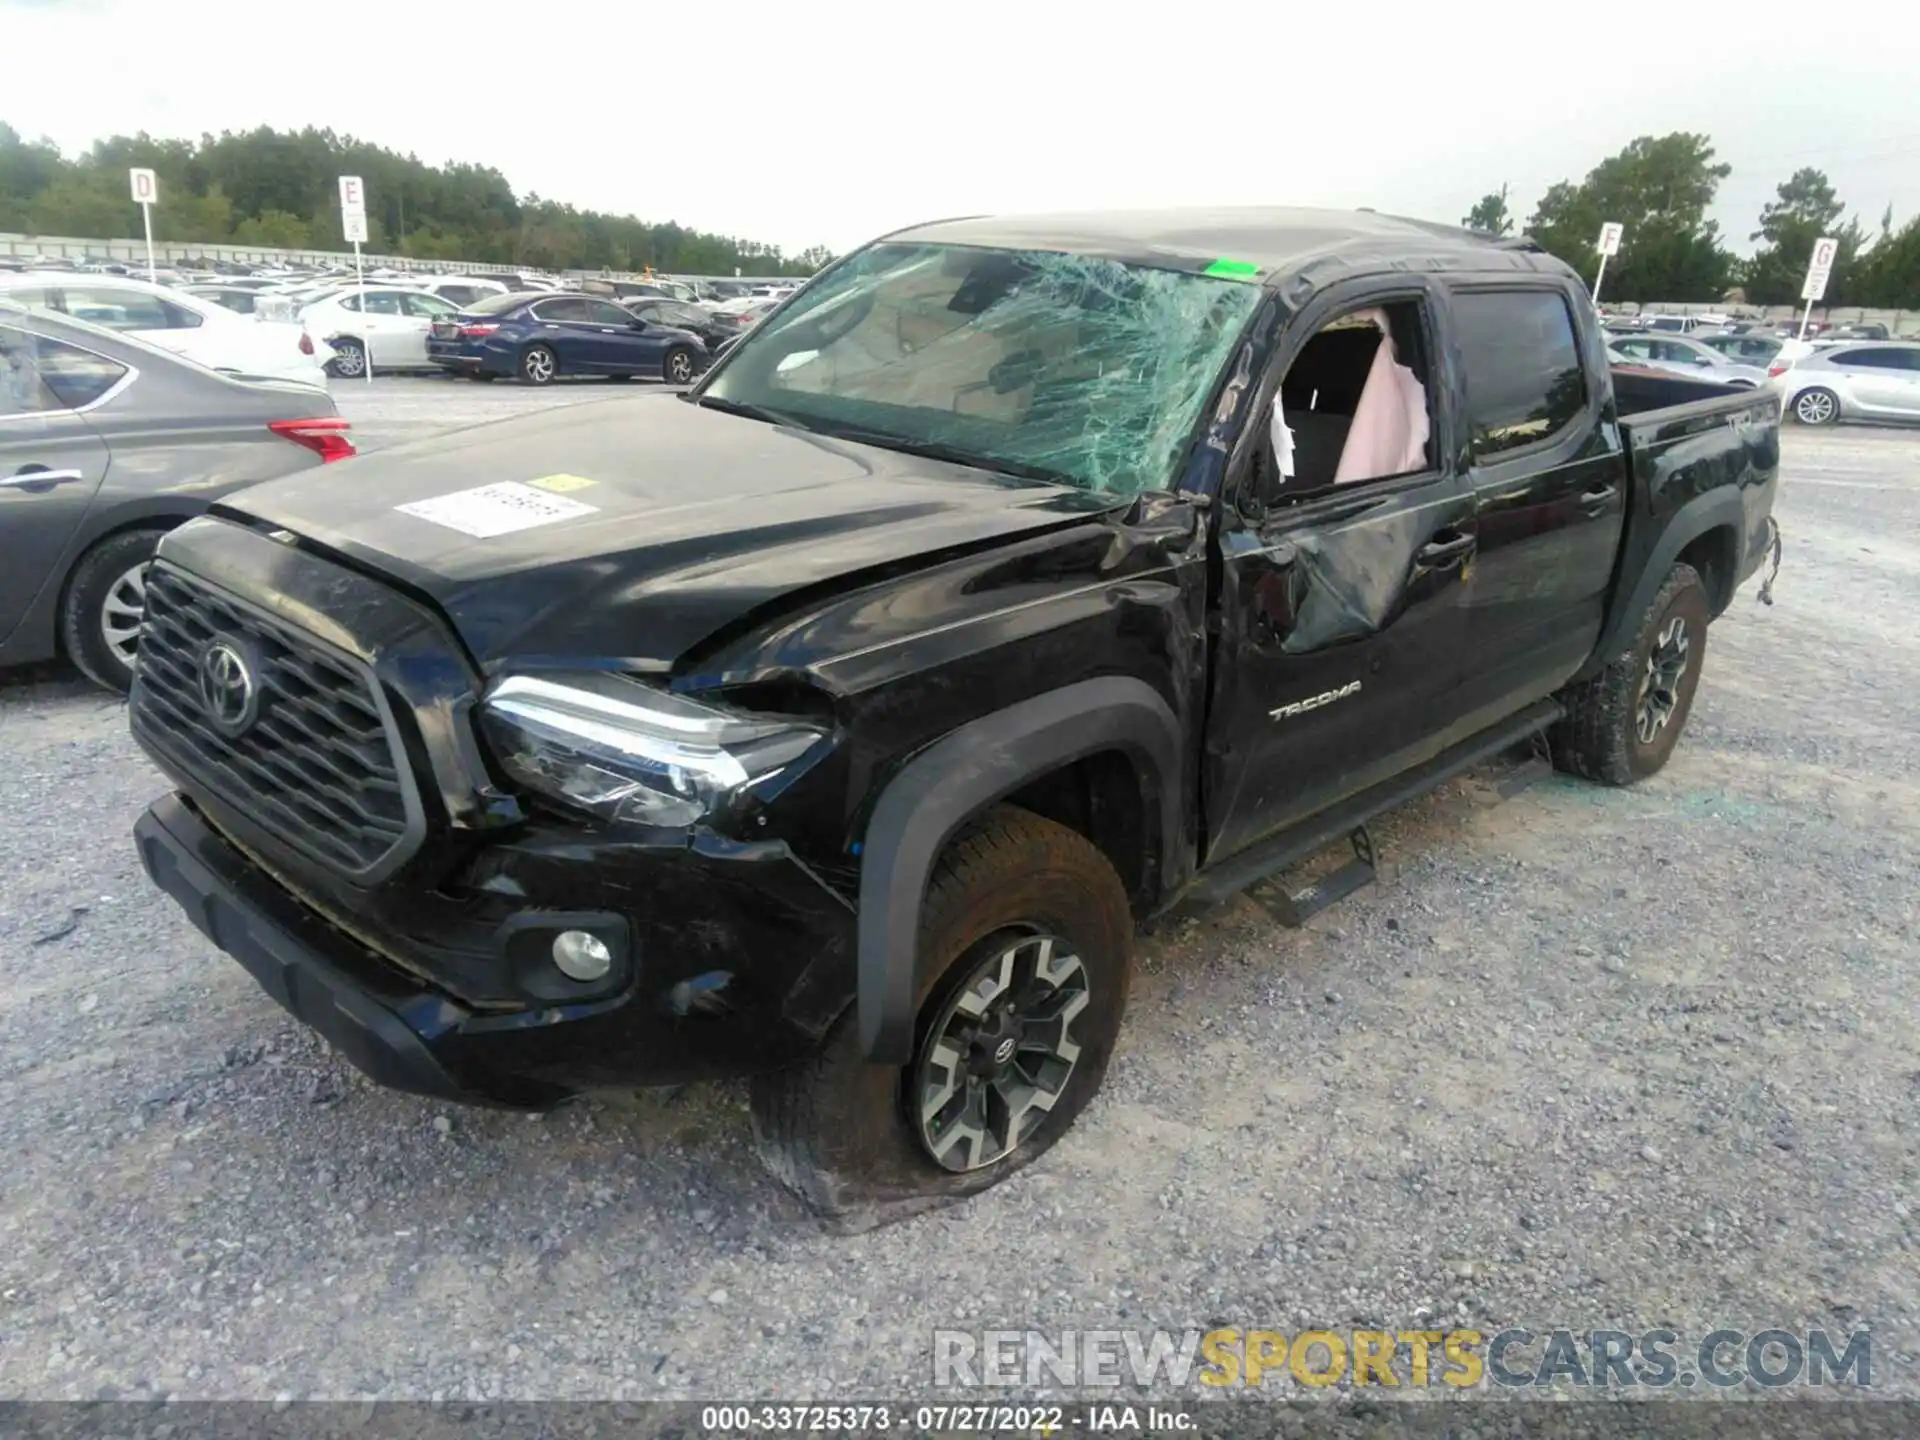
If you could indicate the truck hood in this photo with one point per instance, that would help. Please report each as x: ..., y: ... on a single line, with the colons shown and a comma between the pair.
x: 675, y: 521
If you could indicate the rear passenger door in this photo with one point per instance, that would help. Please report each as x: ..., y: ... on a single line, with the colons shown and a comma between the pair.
x: 563, y: 325
x: 1540, y: 447
x: 420, y: 311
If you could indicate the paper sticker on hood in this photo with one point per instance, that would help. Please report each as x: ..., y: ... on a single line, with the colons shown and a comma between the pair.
x: 493, y: 510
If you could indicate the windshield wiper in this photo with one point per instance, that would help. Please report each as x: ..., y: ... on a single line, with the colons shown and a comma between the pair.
x: 934, y: 450
x: 752, y: 412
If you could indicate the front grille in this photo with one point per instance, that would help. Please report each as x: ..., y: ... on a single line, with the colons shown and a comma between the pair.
x: 314, y: 764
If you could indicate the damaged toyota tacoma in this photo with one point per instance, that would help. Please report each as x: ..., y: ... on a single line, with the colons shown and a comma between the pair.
x: 839, y: 722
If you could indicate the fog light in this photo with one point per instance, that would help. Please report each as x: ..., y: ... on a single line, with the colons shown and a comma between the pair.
x: 581, y: 956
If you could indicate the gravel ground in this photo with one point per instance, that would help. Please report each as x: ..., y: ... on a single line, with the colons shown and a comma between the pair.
x: 1586, y: 1057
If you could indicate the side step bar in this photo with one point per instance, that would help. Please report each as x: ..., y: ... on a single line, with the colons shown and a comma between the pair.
x: 1349, y: 818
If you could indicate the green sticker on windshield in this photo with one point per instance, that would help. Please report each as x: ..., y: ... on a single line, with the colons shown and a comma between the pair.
x: 1231, y: 270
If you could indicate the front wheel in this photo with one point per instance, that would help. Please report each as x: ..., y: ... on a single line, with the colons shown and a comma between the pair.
x: 538, y: 365
x: 1026, y: 944
x: 1621, y: 725
x: 677, y: 367
x: 106, y: 600
x: 1816, y: 407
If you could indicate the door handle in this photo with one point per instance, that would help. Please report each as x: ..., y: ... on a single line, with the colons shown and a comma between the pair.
x: 1439, y: 554
x: 1598, y: 498
x: 41, y: 479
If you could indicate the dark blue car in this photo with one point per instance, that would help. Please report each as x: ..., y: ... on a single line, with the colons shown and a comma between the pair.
x: 540, y: 337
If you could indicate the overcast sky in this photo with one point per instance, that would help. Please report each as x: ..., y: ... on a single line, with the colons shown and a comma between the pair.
x: 831, y: 121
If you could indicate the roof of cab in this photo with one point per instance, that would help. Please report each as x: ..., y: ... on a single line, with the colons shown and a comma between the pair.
x: 1260, y: 243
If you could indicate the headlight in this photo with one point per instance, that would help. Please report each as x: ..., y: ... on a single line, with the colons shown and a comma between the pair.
x: 626, y: 751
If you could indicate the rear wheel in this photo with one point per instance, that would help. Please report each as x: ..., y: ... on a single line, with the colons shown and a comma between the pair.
x: 538, y: 365
x: 1027, y: 943
x: 1816, y: 407
x: 677, y: 367
x: 349, y: 360
x: 1621, y: 726
x: 100, y: 621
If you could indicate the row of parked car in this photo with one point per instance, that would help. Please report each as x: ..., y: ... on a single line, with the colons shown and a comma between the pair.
x: 310, y: 328
x: 1837, y: 376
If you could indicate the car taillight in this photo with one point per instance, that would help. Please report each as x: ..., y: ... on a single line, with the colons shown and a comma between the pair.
x: 306, y: 343
x: 1777, y: 369
x: 327, y: 437
x: 476, y: 332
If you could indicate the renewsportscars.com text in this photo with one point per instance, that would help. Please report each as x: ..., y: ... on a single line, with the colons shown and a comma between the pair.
x: 1462, y: 1359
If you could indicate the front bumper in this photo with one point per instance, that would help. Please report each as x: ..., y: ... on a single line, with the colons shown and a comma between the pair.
x: 681, y: 1012
x: 394, y: 1031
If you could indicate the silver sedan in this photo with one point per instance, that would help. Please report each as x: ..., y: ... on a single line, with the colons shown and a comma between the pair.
x: 107, y: 442
x: 1875, y: 380
x: 1682, y: 355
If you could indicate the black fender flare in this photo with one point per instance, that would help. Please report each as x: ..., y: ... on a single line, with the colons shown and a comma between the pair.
x: 958, y: 776
x: 1719, y: 509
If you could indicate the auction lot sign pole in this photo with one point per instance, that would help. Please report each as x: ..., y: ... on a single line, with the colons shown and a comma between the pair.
x: 353, y: 225
x: 1819, y: 270
x: 1610, y: 234
x: 146, y: 194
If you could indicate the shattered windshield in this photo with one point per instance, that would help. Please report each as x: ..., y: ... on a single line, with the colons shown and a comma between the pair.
x: 1062, y: 367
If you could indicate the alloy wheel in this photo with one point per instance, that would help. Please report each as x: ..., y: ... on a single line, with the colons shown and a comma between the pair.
x: 679, y: 367
x: 1814, y: 408
x: 999, y: 1053
x: 538, y: 366
x: 121, y: 613
x: 1660, y: 689
x: 349, y: 361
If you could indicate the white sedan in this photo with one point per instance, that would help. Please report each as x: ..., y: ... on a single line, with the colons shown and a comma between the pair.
x: 391, y: 327
x: 187, y: 325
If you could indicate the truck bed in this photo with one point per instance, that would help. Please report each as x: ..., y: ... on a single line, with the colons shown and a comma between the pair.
x: 1684, y: 440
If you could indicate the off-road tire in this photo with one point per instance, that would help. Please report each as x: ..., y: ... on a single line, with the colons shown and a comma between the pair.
x: 835, y: 1128
x: 1599, y: 738
x: 82, y: 637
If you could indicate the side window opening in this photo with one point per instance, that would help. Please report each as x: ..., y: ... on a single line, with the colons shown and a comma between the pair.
x: 1523, y: 376
x: 1355, y: 405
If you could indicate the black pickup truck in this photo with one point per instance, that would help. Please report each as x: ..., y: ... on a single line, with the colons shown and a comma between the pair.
x: 838, y: 722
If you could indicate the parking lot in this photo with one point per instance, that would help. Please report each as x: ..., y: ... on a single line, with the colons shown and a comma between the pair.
x: 1585, y: 1057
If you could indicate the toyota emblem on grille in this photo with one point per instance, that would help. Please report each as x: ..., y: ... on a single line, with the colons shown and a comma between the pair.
x: 227, y: 687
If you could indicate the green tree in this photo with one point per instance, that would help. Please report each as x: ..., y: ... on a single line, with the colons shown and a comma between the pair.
x: 25, y: 171
x: 1805, y: 208
x: 1490, y: 214
x: 1659, y: 188
x: 1888, y: 273
x: 269, y: 187
x: 273, y: 229
x: 79, y: 204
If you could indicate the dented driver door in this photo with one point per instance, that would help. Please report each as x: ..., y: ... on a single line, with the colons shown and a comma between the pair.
x: 1338, y: 652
